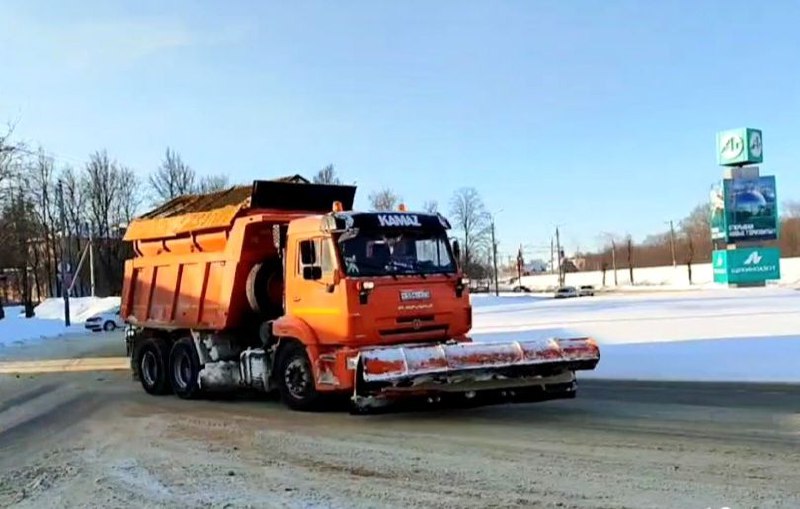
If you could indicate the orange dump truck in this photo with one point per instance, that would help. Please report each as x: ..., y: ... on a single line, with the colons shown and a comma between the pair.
x: 280, y: 286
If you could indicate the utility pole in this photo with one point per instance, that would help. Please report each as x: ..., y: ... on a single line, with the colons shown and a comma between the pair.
x: 552, y: 256
x: 520, y: 261
x: 91, y: 260
x: 494, y: 261
x: 64, y: 285
x: 560, y: 261
x: 614, y: 259
x: 672, y: 242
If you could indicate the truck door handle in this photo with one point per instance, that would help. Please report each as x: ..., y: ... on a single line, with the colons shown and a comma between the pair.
x: 296, y: 299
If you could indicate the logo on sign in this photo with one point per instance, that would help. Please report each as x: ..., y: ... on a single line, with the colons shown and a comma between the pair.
x: 732, y: 146
x: 753, y: 259
x: 406, y: 295
x: 398, y: 220
x: 755, y: 144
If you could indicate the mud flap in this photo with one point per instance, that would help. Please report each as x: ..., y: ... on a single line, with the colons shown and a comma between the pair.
x: 527, y: 370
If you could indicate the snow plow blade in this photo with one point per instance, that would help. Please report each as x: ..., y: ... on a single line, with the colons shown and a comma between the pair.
x: 470, y: 369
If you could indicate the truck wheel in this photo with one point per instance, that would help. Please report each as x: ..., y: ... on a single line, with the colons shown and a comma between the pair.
x: 295, y: 378
x: 151, y: 360
x: 184, y: 369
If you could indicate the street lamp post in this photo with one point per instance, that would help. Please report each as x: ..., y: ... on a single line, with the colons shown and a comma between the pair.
x: 672, y: 241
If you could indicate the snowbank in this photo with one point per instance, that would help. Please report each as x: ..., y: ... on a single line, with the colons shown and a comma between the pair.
x: 49, y: 319
x: 80, y: 308
x: 722, y: 334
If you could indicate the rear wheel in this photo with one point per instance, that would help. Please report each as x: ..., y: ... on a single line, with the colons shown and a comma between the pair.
x: 295, y: 378
x: 109, y: 326
x: 151, y: 361
x: 184, y: 369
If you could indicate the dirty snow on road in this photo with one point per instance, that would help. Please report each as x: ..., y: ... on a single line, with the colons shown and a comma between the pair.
x: 709, y: 335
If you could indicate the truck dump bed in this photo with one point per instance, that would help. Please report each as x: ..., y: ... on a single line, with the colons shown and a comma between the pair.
x: 195, y: 255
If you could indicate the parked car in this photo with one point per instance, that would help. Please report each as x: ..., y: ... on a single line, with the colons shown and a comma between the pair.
x: 512, y: 285
x: 566, y: 292
x: 108, y: 321
x: 586, y: 291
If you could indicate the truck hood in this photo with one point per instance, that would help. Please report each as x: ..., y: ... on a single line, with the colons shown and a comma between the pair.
x: 410, y: 309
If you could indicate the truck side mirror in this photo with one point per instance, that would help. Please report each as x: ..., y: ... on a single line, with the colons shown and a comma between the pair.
x: 312, y: 273
x: 456, y: 251
x: 308, y: 255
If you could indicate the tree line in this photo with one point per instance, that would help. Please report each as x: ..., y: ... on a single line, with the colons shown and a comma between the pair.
x: 687, y: 244
x: 51, y: 211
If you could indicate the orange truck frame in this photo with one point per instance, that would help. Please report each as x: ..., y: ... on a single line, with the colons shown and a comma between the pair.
x: 280, y: 286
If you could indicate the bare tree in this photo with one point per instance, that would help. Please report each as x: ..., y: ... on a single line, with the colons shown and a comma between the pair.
x: 40, y: 179
x: 212, y: 183
x: 791, y: 209
x: 689, y: 256
x: 128, y: 201
x: 101, y: 181
x: 76, y: 221
x: 327, y: 175
x: 472, y: 221
x: 18, y: 222
x: 385, y: 199
x: 173, y: 178
x: 431, y: 207
x: 629, y: 246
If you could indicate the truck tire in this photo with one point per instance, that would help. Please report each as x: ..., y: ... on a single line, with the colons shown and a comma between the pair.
x: 264, y: 289
x: 184, y: 369
x: 295, y: 378
x: 151, y: 364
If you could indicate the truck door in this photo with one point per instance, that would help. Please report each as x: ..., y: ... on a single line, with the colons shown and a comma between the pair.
x: 318, y: 301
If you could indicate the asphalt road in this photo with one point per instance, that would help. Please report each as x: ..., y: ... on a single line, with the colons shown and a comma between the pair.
x: 95, y: 439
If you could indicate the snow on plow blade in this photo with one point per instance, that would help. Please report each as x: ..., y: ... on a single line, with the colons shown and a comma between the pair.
x: 475, y: 366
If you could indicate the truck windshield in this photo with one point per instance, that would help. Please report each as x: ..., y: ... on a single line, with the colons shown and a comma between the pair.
x: 381, y: 253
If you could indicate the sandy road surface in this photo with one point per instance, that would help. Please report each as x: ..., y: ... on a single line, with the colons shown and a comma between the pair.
x: 96, y: 440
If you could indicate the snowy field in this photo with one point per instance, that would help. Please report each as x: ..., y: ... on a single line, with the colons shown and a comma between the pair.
x: 712, y: 335
x: 49, y: 320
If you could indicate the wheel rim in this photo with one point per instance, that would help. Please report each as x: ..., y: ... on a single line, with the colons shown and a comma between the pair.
x: 182, y: 371
x: 109, y: 326
x: 296, y: 378
x: 149, y: 368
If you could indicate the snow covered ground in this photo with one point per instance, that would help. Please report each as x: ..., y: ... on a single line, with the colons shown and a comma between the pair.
x: 713, y: 335
x: 716, y: 334
x: 49, y: 319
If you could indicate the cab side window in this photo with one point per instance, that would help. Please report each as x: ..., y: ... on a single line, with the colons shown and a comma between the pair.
x: 326, y: 255
x: 316, y: 253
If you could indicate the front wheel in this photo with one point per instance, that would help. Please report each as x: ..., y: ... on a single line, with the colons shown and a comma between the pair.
x: 109, y: 326
x: 295, y: 378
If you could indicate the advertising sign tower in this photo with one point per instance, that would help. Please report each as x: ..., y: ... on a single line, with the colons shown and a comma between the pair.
x: 744, y: 213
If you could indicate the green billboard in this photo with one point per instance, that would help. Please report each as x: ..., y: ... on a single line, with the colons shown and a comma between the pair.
x: 737, y: 147
x: 747, y: 210
x: 746, y: 265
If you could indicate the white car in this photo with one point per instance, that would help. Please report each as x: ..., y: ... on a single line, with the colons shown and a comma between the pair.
x: 108, y: 321
x: 566, y: 292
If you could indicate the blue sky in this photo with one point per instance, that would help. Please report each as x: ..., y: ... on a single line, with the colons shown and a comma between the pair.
x: 596, y: 115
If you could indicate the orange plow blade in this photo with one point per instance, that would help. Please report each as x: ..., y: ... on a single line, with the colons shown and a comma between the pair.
x: 469, y: 368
